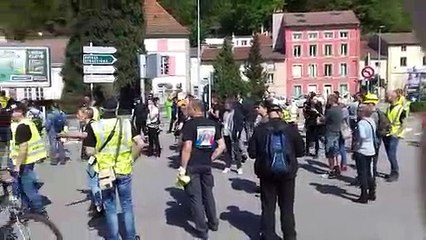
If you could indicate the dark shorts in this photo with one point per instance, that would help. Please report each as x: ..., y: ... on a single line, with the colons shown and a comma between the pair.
x: 332, y: 144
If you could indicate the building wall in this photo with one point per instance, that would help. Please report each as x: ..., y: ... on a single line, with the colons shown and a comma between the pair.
x: 237, y: 41
x: 54, y: 92
x: 322, y: 84
x: 179, y: 64
x: 276, y: 70
x: 397, y: 73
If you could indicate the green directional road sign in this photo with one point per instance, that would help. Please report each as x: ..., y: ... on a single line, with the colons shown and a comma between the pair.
x: 99, y: 59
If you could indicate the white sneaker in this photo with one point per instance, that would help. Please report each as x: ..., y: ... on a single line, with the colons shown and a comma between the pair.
x: 226, y: 170
x: 239, y: 171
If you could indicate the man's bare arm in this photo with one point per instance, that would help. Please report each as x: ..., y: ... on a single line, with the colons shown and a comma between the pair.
x: 138, y: 145
x: 186, y: 154
x: 219, y: 150
x: 22, y: 155
x: 79, y: 135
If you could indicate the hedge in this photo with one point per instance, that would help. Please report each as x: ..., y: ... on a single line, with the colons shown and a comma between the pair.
x: 418, y: 107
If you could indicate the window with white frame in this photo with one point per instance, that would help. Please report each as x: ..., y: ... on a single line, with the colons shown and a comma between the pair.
x: 344, y: 34
x: 328, y: 69
x: 328, y: 50
x: 344, y: 49
x: 270, y: 78
x: 312, y: 70
x: 312, y: 50
x: 39, y: 93
x: 297, y: 91
x: 297, y: 71
x: 328, y: 35
x: 424, y: 61
x: 244, y: 43
x: 343, y: 89
x: 403, y: 48
x: 28, y: 93
x: 343, y: 69
x: 297, y: 36
x: 164, y: 67
x: 312, y: 35
x: 403, y: 61
x: 297, y: 51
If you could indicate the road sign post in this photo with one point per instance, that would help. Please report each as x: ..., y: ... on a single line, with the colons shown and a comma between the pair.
x: 98, y: 64
x: 367, y: 72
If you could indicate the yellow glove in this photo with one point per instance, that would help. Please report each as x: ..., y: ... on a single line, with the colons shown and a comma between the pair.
x: 182, y: 180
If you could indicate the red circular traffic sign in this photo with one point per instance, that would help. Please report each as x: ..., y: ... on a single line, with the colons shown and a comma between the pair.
x: 367, y: 72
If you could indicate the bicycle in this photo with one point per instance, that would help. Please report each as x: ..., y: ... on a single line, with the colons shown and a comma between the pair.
x: 17, y: 226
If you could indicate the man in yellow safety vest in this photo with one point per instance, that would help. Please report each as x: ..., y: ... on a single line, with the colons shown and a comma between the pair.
x: 117, y: 145
x: 396, y: 114
x: 27, y: 148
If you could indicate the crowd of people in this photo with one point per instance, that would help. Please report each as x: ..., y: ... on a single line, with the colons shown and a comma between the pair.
x: 232, y: 130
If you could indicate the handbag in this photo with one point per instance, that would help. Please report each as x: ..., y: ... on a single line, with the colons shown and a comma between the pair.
x: 345, y: 131
x: 107, y: 175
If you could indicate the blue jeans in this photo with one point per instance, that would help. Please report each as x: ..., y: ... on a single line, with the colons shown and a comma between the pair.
x: 26, y: 188
x: 57, y: 150
x: 93, y: 181
x: 342, y: 151
x: 123, y: 184
x: 391, y: 145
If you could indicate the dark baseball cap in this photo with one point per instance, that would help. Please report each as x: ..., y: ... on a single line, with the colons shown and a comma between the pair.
x: 274, y: 108
x: 110, y: 104
x: 19, y: 107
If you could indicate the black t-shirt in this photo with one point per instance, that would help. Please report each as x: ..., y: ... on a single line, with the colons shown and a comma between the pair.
x: 90, y: 140
x: 23, y: 134
x: 203, y: 133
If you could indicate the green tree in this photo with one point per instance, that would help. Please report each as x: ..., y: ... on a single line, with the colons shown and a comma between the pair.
x: 227, y: 77
x: 255, y: 72
x: 112, y: 23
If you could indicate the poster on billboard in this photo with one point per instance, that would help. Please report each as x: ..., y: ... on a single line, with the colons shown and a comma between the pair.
x: 24, y: 67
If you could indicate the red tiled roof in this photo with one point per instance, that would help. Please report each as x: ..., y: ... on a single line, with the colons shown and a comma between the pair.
x: 366, y: 49
x: 242, y: 53
x: 161, y: 23
x: 265, y: 40
x: 326, y: 18
x: 57, y: 47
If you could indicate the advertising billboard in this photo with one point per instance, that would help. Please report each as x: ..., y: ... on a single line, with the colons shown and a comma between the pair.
x: 24, y: 67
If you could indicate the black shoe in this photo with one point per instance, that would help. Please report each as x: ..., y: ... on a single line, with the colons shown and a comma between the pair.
x: 372, y: 195
x: 332, y: 174
x: 244, y: 158
x: 137, y: 237
x: 213, y: 227
x: 257, y: 189
x: 392, y: 178
x: 361, y: 199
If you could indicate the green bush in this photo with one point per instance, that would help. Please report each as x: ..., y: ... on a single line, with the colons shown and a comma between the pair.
x: 418, y: 107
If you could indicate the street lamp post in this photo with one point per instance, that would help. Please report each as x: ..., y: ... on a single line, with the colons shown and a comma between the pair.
x: 379, y: 68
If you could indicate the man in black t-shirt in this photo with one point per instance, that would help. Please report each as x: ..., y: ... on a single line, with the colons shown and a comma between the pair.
x: 202, y: 143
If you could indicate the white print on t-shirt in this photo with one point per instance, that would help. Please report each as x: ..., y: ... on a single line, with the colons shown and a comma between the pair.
x: 205, y: 136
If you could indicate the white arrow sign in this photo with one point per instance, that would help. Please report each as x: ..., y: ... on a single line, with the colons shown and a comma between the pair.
x: 99, y: 69
x: 89, y: 49
x: 99, y: 78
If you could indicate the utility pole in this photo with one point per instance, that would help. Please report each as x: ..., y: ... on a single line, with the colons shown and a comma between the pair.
x: 379, y: 68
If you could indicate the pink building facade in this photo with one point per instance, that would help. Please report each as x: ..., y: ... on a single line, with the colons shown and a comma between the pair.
x: 322, y: 53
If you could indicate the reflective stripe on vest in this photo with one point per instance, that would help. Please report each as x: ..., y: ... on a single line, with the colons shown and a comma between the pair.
x: 96, y: 114
x: 394, y: 115
x: 36, y: 145
x: 106, y: 158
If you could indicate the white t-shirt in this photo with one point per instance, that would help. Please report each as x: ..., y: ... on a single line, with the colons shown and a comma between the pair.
x: 153, y: 115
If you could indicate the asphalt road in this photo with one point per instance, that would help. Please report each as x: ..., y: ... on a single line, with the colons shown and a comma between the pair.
x: 323, y: 207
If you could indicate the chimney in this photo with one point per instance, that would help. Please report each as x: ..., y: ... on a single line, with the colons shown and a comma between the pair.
x: 262, y: 29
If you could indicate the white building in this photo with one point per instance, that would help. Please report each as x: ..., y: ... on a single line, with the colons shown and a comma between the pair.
x: 404, y: 54
x: 166, y: 37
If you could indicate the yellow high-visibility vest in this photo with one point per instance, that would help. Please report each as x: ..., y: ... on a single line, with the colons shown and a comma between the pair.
x: 394, y: 115
x: 286, y: 115
x: 106, y: 158
x: 96, y: 114
x: 36, y: 146
x: 3, y: 101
